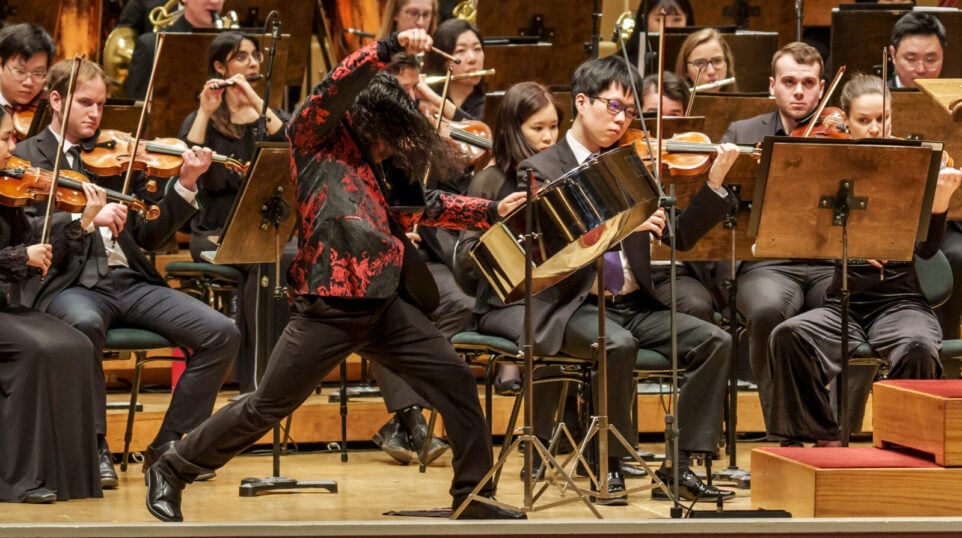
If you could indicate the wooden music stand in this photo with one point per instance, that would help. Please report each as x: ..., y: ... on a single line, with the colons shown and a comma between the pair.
x: 566, y: 31
x: 872, y: 30
x: 297, y: 24
x: 947, y: 93
x: 831, y: 199
x: 181, y: 72
x: 721, y: 109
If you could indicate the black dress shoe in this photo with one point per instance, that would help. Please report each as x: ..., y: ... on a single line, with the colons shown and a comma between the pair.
x: 40, y: 496
x: 633, y: 471
x: 163, y: 498
x: 616, y: 487
x: 108, y: 476
x: 507, y: 387
x: 481, y: 510
x: 690, y: 488
x: 393, y: 439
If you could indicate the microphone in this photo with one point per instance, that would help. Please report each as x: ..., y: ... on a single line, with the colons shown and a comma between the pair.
x: 228, y: 83
x: 357, y: 32
x: 276, y: 30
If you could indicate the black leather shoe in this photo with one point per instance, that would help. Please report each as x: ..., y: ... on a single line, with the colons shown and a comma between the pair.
x: 163, y: 498
x: 616, y: 487
x: 691, y: 488
x: 393, y: 439
x: 507, y: 387
x: 108, y: 476
x: 481, y: 510
x: 633, y: 471
x: 418, y: 434
x: 40, y: 496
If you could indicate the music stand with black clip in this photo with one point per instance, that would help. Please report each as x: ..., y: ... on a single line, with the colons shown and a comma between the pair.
x: 832, y: 199
x: 255, y: 232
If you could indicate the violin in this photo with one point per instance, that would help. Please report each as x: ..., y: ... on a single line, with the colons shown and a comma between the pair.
x: 685, y: 154
x: 22, y: 184
x: 23, y: 119
x: 472, y: 138
x: 831, y: 123
x: 160, y: 157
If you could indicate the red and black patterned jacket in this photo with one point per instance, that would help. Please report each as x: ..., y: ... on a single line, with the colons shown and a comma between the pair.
x: 346, y: 247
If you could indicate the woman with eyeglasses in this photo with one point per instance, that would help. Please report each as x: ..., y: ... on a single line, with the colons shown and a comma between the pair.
x: 705, y: 57
x: 227, y: 121
x: 400, y: 15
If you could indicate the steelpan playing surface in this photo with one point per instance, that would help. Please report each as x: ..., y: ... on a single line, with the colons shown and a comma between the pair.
x: 576, y: 218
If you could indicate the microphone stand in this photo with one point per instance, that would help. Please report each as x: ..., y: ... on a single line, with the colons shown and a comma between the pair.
x: 799, y: 17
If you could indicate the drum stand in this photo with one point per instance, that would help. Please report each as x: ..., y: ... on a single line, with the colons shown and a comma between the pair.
x: 531, y: 441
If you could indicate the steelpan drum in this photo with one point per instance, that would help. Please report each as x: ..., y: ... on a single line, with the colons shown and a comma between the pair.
x: 576, y: 218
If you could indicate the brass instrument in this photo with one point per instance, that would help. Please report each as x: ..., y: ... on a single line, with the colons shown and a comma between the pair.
x: 118, y: 50
x: 466, y: 10
x: 624, y: 26
x: 438, y: 79
x: 163, y: 16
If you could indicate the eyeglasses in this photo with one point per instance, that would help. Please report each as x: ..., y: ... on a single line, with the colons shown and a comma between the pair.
x: 20, y: 75
x: 615, y: 107
x: 415, y: 14
x: 717, y: 62
x: 244, y: 56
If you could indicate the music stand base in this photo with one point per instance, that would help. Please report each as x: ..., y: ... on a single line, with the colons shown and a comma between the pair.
x: 252, y: 487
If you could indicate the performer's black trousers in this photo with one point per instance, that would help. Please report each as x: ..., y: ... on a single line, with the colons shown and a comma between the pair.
x: 321, y: 333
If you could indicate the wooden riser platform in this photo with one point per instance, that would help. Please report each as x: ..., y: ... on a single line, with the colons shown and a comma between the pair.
x: 896, y: 486
x: 319, y: 421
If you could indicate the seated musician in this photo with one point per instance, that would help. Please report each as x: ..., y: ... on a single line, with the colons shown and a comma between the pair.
x: 917, y: 48
x: 357, y: 144
x: 26, y: 51
x: 400, y: 15
x: 197, y: 14
x: 566, y: 315
x: 705, y: 57
x: 465, y: 95
x: 111, y: 283
x: 227, y: 121
x: 888, y: 308
x: 48, y: 445
x: 771, y: 291
x: 527, y: 122
x: 678, y: 13
x: 675, y: 97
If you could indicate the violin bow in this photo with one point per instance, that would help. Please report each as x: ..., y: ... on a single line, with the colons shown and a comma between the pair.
x: 66, y: 103
x: 694, y: 90
x: 825, y: 99
x: 885, y: 78
x: 143, y: 115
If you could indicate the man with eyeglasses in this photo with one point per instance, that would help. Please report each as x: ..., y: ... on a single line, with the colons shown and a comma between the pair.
x: 566, y: 315
x: 197, y: 14
x: 26, y: 51
x: 917, y: 46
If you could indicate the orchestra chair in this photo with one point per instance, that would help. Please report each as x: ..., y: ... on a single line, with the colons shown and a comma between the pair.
x: 213, y: 284
x: 125, y: 341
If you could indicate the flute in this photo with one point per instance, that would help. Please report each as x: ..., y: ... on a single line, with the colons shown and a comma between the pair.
x: 716, y: 84
x: 228, y: 83
x: 438, y: 79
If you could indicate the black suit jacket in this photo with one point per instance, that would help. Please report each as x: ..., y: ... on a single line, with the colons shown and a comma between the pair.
x: 138, y: 233
x: 753, y: 130
x: 553, y: 307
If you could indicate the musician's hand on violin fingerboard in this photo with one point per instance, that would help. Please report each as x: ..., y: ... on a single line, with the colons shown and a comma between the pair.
x: 725, y: 157
x: 415, y: 40
x: 113, y: 216
x: 949, y: 180
x: 96, y: 200
x: 40, y: 256
x: 196, y: 161
x: 655, y: 223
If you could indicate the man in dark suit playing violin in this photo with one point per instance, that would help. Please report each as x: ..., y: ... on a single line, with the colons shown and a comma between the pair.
x: 110, y: 282
x: 771, y: 291
x: 26, y: 51
x: 566, y: 315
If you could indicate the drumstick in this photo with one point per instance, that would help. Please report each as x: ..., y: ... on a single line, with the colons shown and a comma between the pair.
x: 443, y: 54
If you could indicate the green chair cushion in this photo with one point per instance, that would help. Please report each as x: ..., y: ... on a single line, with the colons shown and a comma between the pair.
x: 184, y: 269
x: 130, y: 339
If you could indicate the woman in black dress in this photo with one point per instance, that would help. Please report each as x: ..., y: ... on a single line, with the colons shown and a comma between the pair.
x: 48, y: 450
x: 227, y: 121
